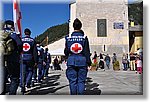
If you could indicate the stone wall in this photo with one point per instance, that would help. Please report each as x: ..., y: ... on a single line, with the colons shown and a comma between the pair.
x: 88, y: 12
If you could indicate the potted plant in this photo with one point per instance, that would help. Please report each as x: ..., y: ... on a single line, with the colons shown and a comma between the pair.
x: 93, y: 66
x: 116, y: 65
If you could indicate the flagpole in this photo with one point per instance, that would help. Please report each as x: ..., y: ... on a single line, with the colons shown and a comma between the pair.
x: 17, y: 25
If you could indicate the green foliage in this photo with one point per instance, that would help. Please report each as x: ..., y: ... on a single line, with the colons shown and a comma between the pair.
x: 54, y: 33
x: 116, y: 64
x: 94, y: 64
x: 136, y: 12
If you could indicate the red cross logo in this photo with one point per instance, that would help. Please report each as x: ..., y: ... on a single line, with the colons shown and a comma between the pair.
x: 26, y: 47
x: 76, y: 48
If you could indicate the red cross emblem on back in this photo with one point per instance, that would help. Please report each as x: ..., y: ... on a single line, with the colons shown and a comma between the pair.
x: 26, y: 47
x: 76, y: 48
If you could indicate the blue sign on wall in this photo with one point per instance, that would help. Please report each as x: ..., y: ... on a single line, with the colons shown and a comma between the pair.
x: 119, y: 25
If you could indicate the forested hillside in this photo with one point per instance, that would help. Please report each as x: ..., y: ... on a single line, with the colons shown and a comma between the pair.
x: 136, y: 12
x: 53, y: 34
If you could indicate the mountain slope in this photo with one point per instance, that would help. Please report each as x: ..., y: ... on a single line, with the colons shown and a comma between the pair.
x: 53, y: 34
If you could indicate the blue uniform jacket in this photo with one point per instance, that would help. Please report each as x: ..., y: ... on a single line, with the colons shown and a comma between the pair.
x: 47, y: 58
x: 77, y: 50
x: 29, y: 49
x: 40, y: 54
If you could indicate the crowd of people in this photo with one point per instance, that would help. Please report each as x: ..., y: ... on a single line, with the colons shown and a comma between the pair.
x: 25, y: 61
x: 132, y: 61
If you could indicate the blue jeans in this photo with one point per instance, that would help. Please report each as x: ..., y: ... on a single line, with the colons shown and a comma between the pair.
x: 125, y: 66
x: 77, y: 77
x: 107, y: 63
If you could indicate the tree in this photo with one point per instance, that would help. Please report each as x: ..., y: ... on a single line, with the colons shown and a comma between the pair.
x: 136, y: 12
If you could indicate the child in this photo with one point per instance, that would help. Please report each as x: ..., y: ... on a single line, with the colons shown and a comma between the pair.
x: 139, y: 65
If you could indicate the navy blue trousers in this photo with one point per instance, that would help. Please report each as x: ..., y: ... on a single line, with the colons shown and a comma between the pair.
x: 34, y: 76
x: 77, y: 77
x: 46, y: 69
x: 40, y: 71
x: 13, y: 71
x: 26, y: 75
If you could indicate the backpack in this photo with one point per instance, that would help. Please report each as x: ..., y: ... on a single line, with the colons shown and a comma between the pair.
x: 7, y: 43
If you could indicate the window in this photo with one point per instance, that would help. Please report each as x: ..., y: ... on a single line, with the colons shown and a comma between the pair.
x: 101, y: 28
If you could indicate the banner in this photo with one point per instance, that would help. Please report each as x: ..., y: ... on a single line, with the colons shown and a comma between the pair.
x: 17, y: 17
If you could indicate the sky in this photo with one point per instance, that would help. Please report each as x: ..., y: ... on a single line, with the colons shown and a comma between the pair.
x: 39, y: 16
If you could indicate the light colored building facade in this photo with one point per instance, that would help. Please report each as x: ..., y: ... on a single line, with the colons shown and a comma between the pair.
x: 105, y: 22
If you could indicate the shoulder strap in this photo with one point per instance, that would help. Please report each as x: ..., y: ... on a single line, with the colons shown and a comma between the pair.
x: 84, y: 36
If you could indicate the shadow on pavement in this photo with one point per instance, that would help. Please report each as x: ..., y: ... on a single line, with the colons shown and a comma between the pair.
x: 91, y: 88
x: 49, y: 85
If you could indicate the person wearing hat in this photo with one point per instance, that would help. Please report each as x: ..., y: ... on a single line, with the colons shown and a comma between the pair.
x: 41, y: 63
x: 78, y: 53
x: 11, y: 54
x: 29, y: 57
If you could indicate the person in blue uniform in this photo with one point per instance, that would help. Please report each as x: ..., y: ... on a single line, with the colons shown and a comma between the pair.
x: 40, y: 65
x: 29, y: 57
x: 47, y: 62
x: 12, y: 61
x: 34, y: 75
x: 78, y: 54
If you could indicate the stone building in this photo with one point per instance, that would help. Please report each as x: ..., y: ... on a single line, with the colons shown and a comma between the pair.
x: 105, y: 22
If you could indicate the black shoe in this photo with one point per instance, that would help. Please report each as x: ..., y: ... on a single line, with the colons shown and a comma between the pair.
x: 35, y: 81
x: 32, y: 84
x: 28, y: 86
x: 39, y: 81
x: 23, y: 90
x: 7, y: 81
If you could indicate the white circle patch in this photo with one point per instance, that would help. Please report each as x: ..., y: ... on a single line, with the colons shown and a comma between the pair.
x: 26, y: 47
x: 76, y: 48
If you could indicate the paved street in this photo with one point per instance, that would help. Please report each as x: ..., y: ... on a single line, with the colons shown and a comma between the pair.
x: 98, y: 83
